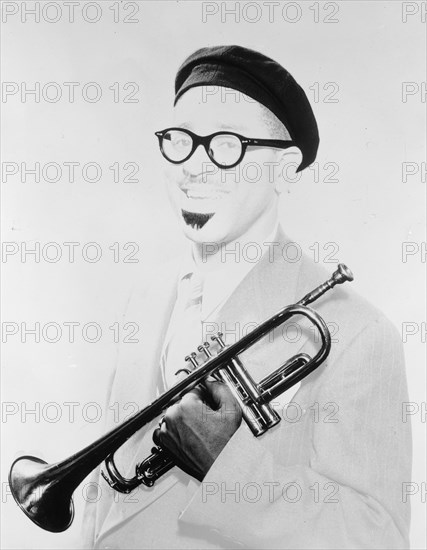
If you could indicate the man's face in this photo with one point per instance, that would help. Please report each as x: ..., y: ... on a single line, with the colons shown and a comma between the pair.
x: 237, y: 198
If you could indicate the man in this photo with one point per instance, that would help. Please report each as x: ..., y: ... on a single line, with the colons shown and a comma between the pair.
x: 329, y: 474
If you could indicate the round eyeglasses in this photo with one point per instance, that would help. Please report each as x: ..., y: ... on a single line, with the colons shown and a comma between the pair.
x: 225, y: 149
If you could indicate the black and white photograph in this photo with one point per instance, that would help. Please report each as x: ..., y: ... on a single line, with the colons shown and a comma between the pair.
x: 213, y: 257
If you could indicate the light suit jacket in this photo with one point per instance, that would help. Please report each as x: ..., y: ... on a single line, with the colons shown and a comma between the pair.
x: 328, y: 476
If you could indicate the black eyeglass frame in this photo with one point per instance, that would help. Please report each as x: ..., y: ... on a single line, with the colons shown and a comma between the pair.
x: 205, y: 141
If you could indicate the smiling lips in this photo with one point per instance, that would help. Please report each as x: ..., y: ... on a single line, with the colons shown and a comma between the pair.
x: 203, y: 192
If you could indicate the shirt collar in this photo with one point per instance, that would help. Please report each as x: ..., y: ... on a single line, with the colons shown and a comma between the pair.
x: 220, y: 283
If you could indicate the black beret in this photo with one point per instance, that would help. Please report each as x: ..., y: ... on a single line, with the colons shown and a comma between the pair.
x: 260, y: 78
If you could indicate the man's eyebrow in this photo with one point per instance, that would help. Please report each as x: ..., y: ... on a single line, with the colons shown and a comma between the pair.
x: 233, y: 127
x: 221, y: 127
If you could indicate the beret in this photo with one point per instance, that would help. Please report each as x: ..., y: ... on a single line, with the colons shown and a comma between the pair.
x: 260, y: 78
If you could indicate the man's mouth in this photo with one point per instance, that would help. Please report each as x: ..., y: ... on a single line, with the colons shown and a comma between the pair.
x: 203, y: 192
x: 195, y: 219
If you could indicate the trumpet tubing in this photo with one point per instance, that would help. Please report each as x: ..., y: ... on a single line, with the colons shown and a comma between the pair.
x: 44, y: 491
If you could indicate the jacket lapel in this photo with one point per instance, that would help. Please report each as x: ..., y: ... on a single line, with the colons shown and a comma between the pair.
x: 266, y: 289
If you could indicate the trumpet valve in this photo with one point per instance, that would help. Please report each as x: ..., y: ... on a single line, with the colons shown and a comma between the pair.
x: 192, y: 359
x: 218, y: 338
x: 205, y: 349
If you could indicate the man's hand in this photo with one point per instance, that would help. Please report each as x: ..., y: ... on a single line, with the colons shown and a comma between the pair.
x: 194, y: 432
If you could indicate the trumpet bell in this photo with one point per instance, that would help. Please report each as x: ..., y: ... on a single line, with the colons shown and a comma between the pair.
x: 40, y: 495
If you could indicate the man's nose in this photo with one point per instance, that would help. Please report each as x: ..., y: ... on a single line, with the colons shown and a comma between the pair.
x: 199, y: 164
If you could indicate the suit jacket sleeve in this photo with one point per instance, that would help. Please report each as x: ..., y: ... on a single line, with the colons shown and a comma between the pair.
x: 348, y: 494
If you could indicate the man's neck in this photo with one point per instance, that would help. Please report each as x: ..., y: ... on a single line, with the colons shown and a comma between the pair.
x: 246, y: 247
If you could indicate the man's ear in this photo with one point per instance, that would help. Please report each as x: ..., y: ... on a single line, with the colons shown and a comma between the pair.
x: 289, y: 160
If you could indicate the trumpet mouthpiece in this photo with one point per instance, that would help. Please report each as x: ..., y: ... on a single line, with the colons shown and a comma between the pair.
x: 342, y: 274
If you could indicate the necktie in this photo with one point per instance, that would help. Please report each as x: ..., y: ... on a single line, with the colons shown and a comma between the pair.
x: 186, y: 333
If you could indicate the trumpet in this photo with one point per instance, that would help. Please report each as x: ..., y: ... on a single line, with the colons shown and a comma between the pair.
x: 44, y: 491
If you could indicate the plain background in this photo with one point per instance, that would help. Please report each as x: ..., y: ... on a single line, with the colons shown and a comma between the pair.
x: 368, y: 214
